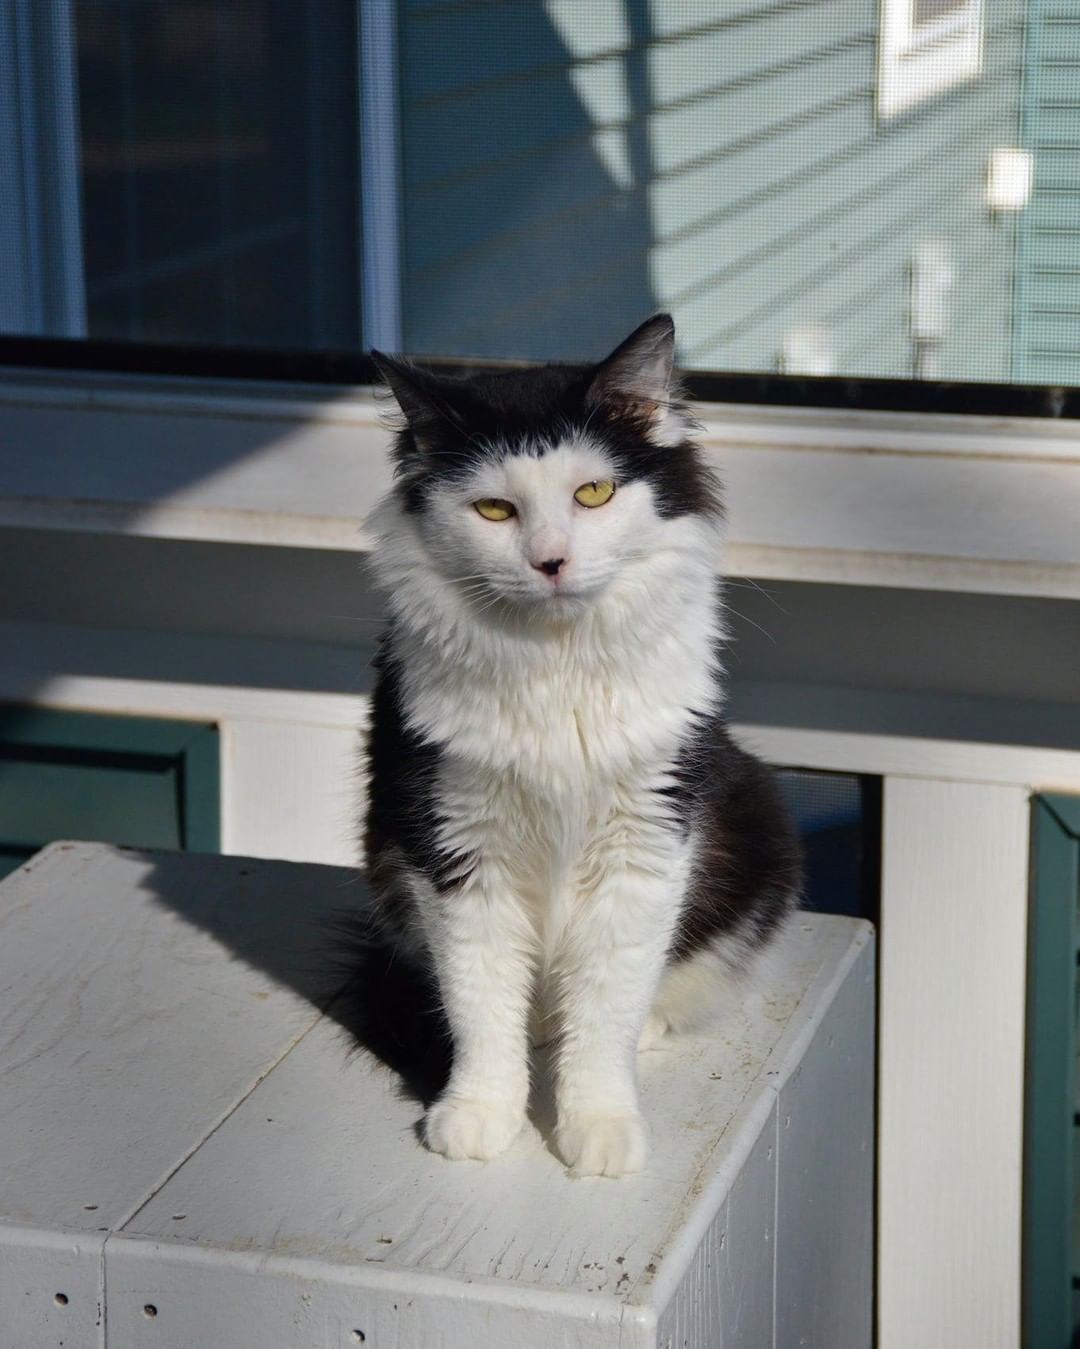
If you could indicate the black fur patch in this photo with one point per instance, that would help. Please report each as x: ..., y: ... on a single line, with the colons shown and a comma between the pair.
x: 402, y: 819
x: 522, y: 410
x: 748, y: 868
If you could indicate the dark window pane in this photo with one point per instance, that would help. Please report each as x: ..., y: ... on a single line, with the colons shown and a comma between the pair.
x: 838, y: 816
x: 808, y: 187
x: 219, y: 170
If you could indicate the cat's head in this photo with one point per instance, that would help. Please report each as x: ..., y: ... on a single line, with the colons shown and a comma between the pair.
x: 537, y: 488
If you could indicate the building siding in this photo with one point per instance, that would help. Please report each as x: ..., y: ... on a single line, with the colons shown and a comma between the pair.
x: 1048, y: 309
x: 569, y: 168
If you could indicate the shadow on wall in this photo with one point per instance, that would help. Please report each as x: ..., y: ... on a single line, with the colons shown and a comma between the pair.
x: 526, y: 173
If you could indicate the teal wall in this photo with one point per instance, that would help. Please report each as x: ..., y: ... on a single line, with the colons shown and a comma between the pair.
x: 1048, y: 313
x: 1051, y: 1132
x: 569, y: 167
x: 142, y: 781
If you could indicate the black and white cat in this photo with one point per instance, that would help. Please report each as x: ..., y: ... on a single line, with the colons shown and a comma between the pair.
x: 560, y: 824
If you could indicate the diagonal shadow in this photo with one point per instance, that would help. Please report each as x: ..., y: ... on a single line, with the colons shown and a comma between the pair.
x: 311, y: 929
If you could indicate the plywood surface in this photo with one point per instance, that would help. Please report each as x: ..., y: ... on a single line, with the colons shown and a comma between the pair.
x: 322, y: 1161
x: 166, y: 1061
x: 144, y: 995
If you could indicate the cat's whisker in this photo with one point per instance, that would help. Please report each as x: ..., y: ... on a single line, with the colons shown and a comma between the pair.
x: 730, y: 609
x: 749, y: 582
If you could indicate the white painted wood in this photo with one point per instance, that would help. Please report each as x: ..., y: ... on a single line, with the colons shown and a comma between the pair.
x: 364, y: 1206
x: 1028, y: 767
x: 141, y: 1004
x: 41, y: 663
x: 821, y: 1300
x: 1031, y: 766
x: 941, y: 503
x: 262, y: 1185
x: 725, y: 1299
x: 53, y: 666
x: 100, y: 956
x: 50, y: 1288
x: 953, y: 922
x: 917, y: 61
x: 293, y: 791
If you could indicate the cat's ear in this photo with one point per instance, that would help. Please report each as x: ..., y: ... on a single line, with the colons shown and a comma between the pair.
x: 636, y: 377
x: 421, y: 398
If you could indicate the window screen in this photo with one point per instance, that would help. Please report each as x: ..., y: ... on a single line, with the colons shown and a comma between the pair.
x: 885, y: 189
x: 218, y: 170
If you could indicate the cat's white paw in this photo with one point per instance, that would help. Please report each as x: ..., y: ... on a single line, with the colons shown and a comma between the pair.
x: 462, y: 1128
x: 602, y: 1145
x: 655, y: 1032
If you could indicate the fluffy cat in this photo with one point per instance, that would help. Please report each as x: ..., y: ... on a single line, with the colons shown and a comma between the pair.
x: 560, y: 825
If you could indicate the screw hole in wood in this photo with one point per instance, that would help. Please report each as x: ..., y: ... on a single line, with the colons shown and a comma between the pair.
x: 61, y: 1299
x: 150, y: 1310
x: 358, y: 1337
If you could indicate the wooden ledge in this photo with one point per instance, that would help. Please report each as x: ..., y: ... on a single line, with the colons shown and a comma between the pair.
x: 192, y: 1141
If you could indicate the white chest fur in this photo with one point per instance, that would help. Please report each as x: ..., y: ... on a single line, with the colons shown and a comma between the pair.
x: 602, y: 702
x: 549, y: 735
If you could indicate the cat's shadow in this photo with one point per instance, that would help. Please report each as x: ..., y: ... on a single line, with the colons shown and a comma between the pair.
x: 388, y: 1007
x: 312, y: 929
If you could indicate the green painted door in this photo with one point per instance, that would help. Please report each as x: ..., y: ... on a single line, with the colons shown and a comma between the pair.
x: 1051, y: 1208
x: 136, y: 780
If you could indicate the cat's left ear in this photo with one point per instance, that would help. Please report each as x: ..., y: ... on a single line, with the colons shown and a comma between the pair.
x: 636, y: 377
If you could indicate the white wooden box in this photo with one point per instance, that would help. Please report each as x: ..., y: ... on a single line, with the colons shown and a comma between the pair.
x: 195, y: 1158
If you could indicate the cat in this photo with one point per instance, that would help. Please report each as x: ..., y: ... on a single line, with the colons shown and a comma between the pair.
x: 560, y: 825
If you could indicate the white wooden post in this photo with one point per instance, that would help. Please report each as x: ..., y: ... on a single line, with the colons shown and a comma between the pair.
x: 953, y: 946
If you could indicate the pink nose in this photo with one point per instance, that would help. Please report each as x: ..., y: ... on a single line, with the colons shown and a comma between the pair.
x: 551, y: 566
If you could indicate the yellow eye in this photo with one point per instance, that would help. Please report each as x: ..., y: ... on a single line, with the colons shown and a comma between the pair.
x: 491, y: 508
x: 595, y: 493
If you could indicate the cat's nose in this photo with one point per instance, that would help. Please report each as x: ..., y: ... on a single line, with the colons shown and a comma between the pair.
x: 551, y: 566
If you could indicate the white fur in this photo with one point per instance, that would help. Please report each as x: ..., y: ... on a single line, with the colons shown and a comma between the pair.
x: 559, y: 707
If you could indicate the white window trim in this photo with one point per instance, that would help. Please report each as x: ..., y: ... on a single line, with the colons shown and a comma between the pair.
x: 893, y: 491
x: 917, y: 61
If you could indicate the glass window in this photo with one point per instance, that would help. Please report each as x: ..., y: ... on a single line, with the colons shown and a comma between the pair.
x: 810, y: 186
x: 209, y: 155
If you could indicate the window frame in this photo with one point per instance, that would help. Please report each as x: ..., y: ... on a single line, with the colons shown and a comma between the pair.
x: 350, y: 369
x: 911, y: 69
x: 917, y: 61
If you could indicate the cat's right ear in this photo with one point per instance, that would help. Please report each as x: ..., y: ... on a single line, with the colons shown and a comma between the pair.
x: 420, y: 397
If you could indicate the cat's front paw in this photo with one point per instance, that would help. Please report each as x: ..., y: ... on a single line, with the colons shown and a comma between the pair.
x: 461, y: 1127
x: 602, y: 1145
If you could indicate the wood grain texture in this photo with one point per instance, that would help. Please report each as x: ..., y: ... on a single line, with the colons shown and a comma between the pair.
x: 725, y: 1298
x: 142, y: 1000
x: 825, y: 1173
x: 255, y: 1180
x: 953, y: 922
x: 364, y: 1196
